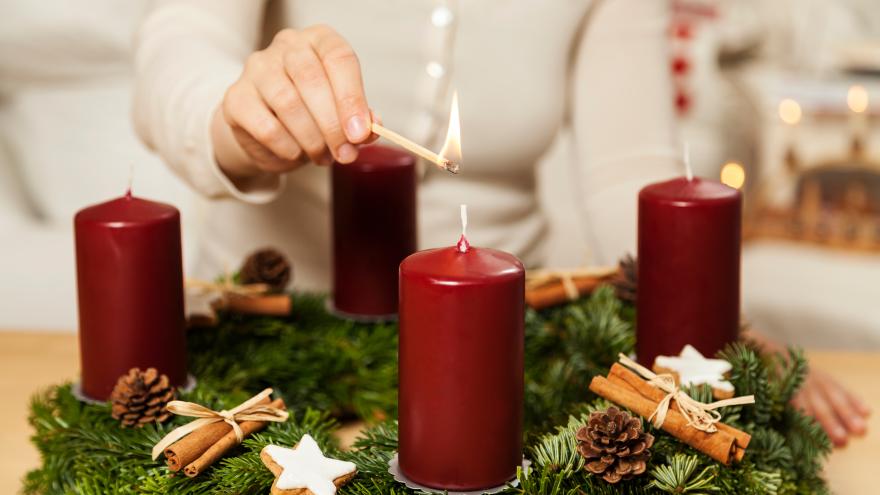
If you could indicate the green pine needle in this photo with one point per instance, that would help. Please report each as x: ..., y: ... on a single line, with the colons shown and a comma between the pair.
x: 678, y: 476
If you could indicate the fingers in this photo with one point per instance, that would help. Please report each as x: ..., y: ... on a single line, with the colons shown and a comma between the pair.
x: 802, y: 403
x: 374, y: 117
x: 841, y: 402
x: 302, y: 95
x: 284, y: 100
x: 825, y: 415
x: 248, y: 115
x: 264, y: 158
x: 857, y: 404
x: 344, y: 72
x: 305, y: 69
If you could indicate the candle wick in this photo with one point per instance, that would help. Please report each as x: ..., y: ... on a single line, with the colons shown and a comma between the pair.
x: 688, y: 170
x: 130, y: 180
x: 463, y: 244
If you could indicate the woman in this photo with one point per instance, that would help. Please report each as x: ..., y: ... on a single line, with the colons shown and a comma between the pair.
x: 243, y: 99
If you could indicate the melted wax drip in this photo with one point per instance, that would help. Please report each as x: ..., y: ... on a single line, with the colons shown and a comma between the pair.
x: 463, y: 244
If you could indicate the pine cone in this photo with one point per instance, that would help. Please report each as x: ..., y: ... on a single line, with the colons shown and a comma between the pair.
x: 140, y: 397
x: 614, y: 445
x: 626, y: 280
x: 266, y: 266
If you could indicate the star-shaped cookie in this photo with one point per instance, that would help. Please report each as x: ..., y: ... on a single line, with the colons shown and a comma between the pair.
x: 692, y: 368
x: 304, y: 470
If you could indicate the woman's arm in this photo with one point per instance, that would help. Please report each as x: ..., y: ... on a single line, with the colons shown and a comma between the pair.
x: 231, y: 118
x: 187, y: 53
x: 623, y: 119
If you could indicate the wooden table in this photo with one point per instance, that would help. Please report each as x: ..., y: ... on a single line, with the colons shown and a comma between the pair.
x: 29, y: 361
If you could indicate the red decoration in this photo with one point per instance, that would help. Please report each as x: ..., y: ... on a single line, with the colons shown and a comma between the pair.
x: 689, y: 267
x: 680, y: 65
x: 130, y: 286
x: 682, y: 30
x: 682, y: 101
x: 461, y: 367
x: 374, y: 229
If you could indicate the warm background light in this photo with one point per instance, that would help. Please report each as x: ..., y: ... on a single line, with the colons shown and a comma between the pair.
x: 789, y: 111
x: 857, y: 99
x: 733, y: 174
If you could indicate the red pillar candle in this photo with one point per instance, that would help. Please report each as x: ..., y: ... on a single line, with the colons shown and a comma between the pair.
x: 130, y: 287
x: 689, y: 267
x: 461, y: 367
x: 374, y: 229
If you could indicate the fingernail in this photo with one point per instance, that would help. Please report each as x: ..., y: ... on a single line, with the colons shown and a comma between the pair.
x: 356, y: 128
x: 858, y: 425
x: 346, y: 153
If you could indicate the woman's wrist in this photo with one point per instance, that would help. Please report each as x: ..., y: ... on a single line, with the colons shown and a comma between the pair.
x: 232, y: 159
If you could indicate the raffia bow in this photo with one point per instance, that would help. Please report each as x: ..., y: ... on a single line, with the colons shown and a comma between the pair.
x: 540, y: 278
x: 249, y: 410
x: 698, y: 414
x: 226, y: 287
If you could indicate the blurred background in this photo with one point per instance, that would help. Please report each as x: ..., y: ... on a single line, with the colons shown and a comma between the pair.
x: 780, y: 99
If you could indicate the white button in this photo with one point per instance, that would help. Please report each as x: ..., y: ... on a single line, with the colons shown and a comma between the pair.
x: 441, y: 16
x: 435, y: 70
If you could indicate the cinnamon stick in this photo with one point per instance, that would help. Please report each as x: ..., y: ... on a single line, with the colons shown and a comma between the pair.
x: 226, y: 442
x: 554, y: 293
x: 192, y: 446
x: 719, y: 445
x: 645, y: 389
x: 269, y: 305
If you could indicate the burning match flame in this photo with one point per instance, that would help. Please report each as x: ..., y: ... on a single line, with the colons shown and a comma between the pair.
x: 451, y: 151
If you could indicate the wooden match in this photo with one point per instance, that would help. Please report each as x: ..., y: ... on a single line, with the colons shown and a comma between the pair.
x: 419, y: 150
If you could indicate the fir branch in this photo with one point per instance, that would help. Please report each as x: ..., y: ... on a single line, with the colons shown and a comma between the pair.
x: 749, y: 376
x: 678, y: 476
x: 546, y: 482
x: 768, y: 450
x: 789, y: 374
x: 319, y: 363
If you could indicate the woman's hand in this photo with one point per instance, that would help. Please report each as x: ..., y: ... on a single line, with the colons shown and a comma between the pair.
x: 839, y: 412
x: 299, y: 99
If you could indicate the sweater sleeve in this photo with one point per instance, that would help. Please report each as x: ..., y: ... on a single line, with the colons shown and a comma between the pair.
x: 623, y: 120
x: 187, y: 52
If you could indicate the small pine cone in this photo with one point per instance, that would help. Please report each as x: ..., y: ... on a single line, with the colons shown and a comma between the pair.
x: 140, y: 397
x: 626, y: 280
x: 267, y: 266
x: 614, y: 445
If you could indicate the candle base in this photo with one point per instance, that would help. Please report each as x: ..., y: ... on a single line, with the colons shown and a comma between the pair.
x: 77, y: 391
x: 359, y: 318
x: 395, y: 471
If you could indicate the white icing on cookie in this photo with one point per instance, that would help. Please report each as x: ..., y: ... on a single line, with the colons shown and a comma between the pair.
x: 306, y: 467
x: 695, y: 369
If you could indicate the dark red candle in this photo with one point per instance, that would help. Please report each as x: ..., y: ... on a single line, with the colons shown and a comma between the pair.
x: 374, y: 229
x: 461, y: 367
x: 689, y: 267
x: 130, y: 287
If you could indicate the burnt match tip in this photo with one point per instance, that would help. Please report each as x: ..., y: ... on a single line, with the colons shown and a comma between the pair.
x: 451, y: 167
